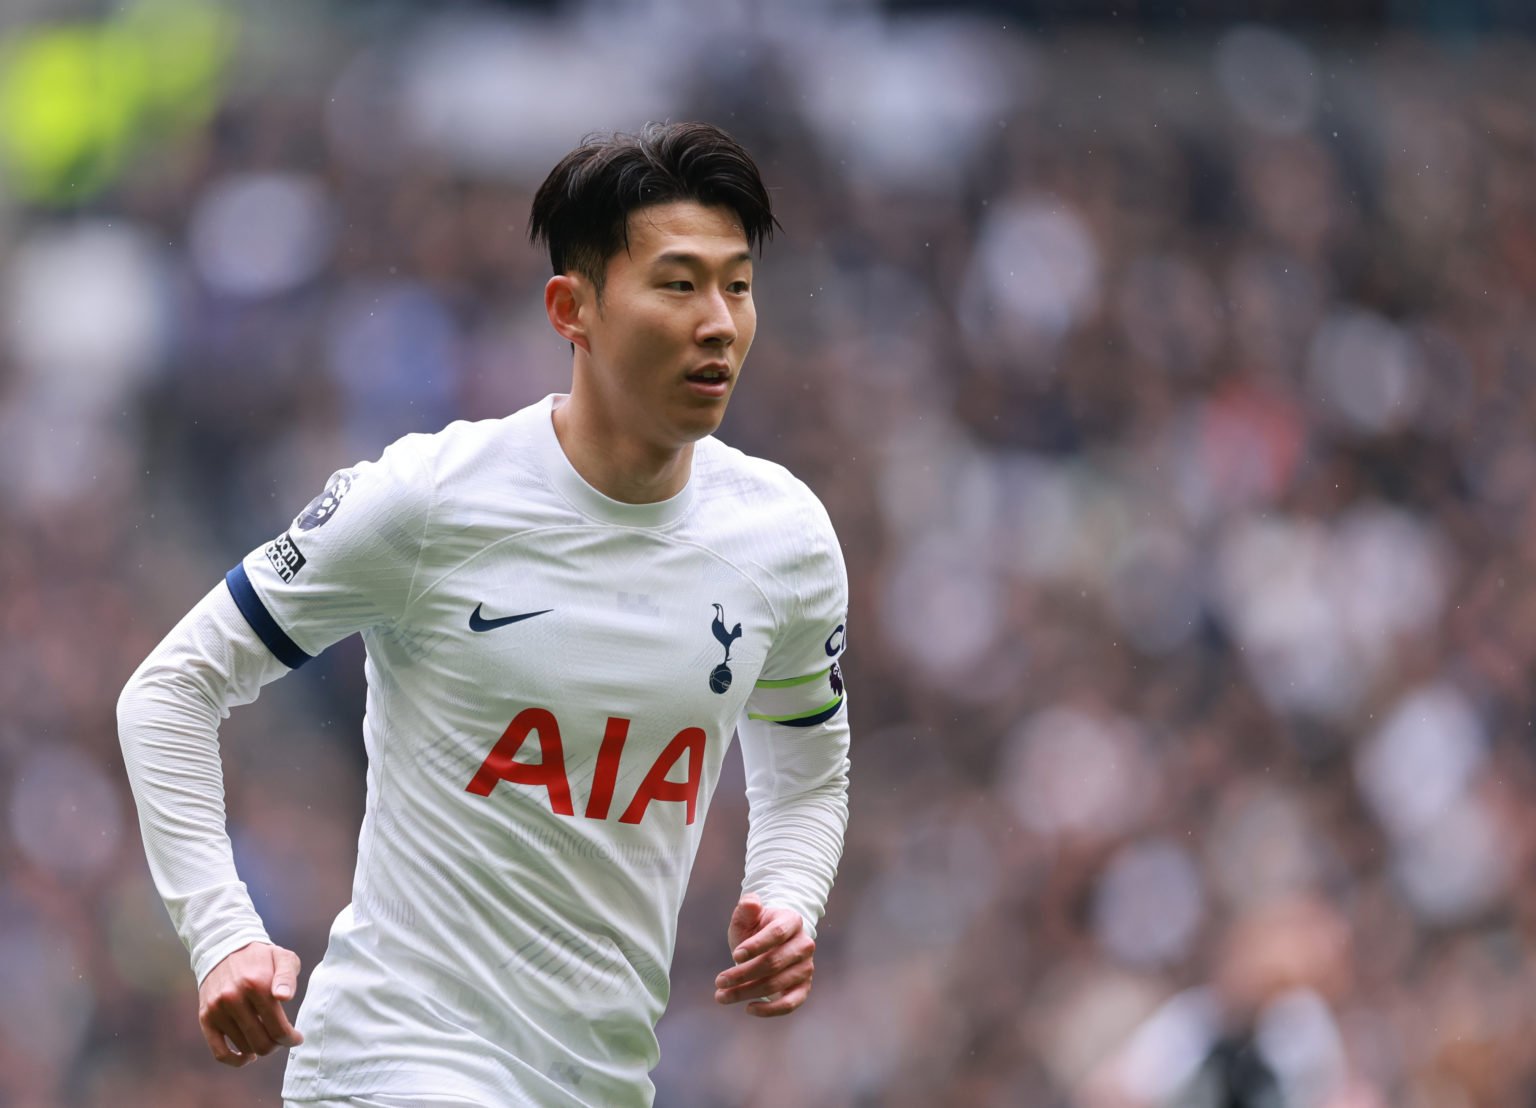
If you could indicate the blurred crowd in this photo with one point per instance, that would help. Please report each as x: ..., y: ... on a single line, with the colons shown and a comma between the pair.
x: 1173, y: 399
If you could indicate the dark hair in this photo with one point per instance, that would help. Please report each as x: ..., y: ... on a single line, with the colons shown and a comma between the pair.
x: 582, y: 209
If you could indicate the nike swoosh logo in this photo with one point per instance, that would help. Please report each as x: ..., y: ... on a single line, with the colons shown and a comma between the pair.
x: 479, y: 623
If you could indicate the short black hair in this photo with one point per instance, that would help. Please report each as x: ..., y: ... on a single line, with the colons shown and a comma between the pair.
x: 581, y: 211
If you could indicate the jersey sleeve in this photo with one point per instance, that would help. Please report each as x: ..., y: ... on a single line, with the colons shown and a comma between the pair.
x: 168, y: 723
x: 347, y: 562
x: 795, y: 737
x: 801, y: 683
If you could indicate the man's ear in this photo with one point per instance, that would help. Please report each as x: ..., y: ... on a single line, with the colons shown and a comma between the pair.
x: 569, y: 302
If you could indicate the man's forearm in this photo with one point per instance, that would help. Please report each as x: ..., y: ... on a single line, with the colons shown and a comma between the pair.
x: 797, y: 787
x: 168, y: 717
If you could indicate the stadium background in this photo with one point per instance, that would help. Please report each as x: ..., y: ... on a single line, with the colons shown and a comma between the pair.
x: 1171, y: 383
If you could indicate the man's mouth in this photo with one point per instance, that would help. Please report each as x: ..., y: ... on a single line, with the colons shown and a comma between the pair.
x: 712, y: 373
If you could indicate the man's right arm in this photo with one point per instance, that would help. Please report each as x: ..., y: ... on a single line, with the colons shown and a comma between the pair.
x: 347, y: 563
x: 168, y: 717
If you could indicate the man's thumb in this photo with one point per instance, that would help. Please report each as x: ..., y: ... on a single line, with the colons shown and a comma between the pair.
x: 285, y: 976
x: 748, y: 910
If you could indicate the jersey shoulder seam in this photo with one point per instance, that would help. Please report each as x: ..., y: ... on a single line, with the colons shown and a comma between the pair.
x: 421, y: 543
x: 746, y: 574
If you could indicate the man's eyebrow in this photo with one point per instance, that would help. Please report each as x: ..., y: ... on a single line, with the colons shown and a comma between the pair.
x: 684, y: 257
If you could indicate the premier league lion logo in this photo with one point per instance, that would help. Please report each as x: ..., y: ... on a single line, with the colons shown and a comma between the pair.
x: 324, y: 506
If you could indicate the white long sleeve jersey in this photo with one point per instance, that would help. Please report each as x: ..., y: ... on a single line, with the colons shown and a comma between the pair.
x: 553, y: 680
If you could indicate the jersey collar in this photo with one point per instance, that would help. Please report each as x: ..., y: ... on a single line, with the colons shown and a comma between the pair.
x: 587, y: 500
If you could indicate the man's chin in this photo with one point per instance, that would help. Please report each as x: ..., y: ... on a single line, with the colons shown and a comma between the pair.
x: 694, y: 432
x: 700, y: 422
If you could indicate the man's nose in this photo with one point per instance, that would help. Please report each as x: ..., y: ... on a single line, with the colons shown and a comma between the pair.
x: 718, y: 328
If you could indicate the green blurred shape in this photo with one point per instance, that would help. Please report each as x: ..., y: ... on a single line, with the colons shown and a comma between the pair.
x: 187, y: 45
x: 77, y: 99
x: 67, y: 99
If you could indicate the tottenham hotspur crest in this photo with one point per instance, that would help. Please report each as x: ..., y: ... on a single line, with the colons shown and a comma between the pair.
x: 720, y: 676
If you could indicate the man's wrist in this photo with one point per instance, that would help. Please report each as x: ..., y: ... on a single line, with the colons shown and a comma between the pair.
x: 206, y: 959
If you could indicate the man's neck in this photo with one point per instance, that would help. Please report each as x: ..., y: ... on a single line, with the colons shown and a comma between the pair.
x: 618, y: 464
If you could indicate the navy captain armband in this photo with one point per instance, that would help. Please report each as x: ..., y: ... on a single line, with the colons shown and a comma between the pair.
x: 798, y: 701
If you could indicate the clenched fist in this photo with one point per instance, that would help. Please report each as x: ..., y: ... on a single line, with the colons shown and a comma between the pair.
x: 240, y: 1003
x: 773, y: 955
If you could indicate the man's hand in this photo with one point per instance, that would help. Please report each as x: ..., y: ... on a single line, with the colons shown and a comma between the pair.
x: 773, y: 960
x: 241, y: 1001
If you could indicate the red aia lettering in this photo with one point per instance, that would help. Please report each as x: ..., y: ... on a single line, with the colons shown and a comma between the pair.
x: 499, y: 765
x: 657, y: 787
x: 607, y: 768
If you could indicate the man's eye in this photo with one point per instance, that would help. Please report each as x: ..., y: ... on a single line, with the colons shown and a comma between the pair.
x: 740, y: 286
x: 680, y: 286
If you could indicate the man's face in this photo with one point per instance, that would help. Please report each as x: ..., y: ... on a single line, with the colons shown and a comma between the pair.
x: 675, y: 321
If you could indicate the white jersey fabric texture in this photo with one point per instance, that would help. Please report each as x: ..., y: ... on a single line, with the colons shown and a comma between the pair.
x: 382, y: 1101
x: 553, y: 680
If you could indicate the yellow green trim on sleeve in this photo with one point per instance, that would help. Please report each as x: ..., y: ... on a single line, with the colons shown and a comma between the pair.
x: 791, y: 682
x: 825, y: 710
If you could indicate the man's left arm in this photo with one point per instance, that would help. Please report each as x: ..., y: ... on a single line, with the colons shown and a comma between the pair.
x: 794, y: 745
